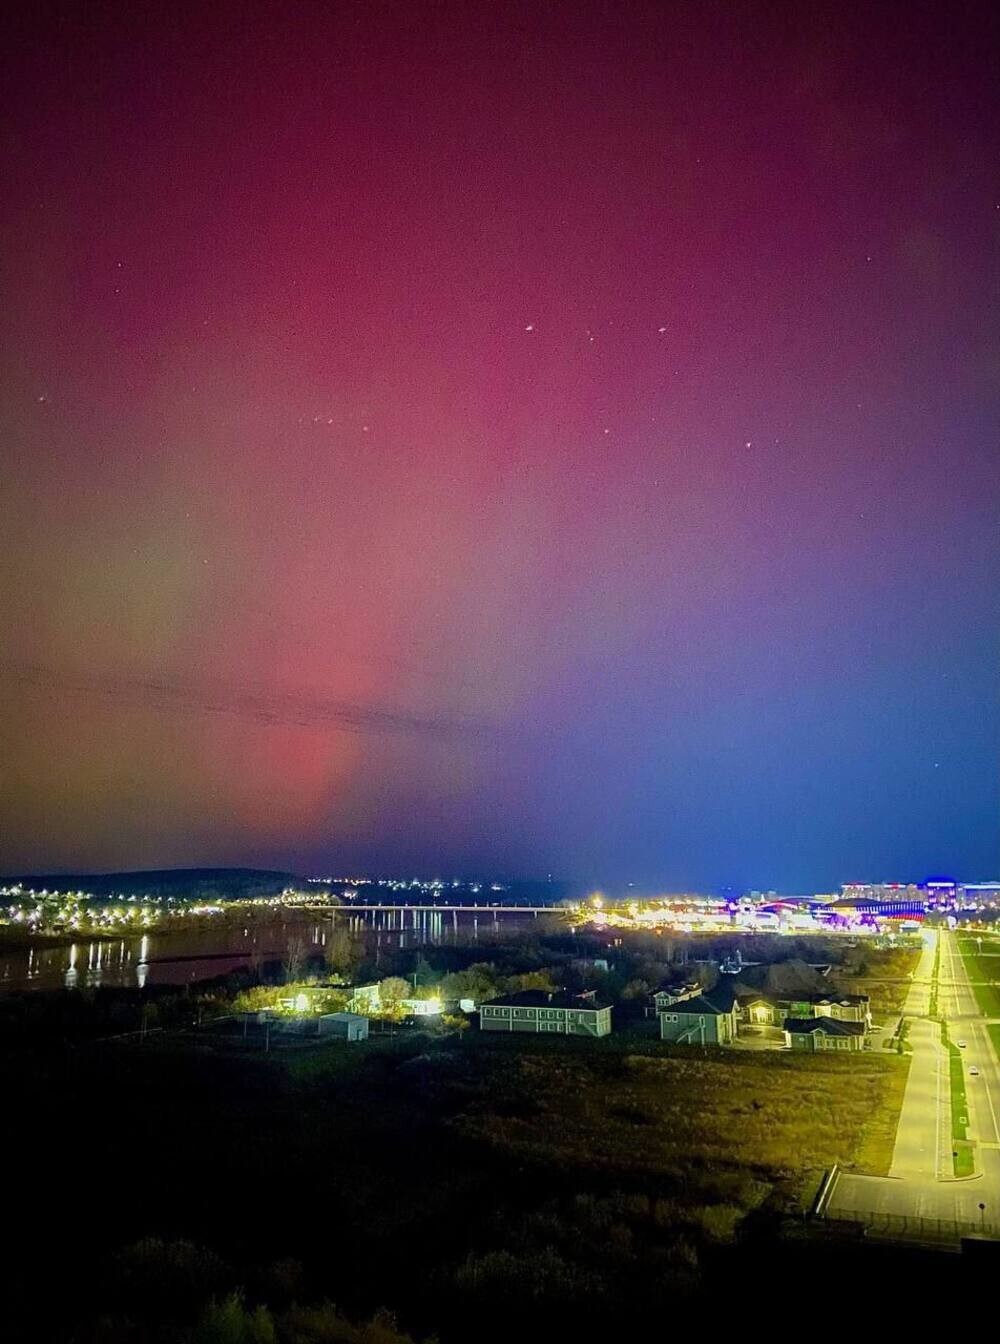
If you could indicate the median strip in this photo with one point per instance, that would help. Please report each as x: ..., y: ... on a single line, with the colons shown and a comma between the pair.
x: 963, y: 1150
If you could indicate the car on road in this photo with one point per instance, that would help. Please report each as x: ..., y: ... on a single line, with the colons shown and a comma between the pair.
x: 961, y: 1045
x: 974, y: 1071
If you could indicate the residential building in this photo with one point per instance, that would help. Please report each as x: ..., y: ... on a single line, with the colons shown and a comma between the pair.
x: 703, y: 1019
x: 363, y: 998
x: 534, y: 1010
x: 824, y: 1033
x: 671, y: 994
x: 758, y: 1001
x: 764, y: 1010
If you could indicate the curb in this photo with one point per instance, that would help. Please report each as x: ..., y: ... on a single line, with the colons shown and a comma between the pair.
x: 960, y: 1180
x: 825, y: 1191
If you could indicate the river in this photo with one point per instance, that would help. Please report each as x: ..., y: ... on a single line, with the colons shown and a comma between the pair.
x: 183, y: 956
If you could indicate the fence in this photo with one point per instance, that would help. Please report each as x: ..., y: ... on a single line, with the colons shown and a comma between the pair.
x: 911, y: 1227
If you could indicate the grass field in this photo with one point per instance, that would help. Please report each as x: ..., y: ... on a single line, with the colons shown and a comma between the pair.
x: 984, y: 972
x: 476, y: 1186
x: 884, y: 977
x: 780, y: 1118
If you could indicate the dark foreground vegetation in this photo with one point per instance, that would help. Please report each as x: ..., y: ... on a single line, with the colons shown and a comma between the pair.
x: 186, y: 1188
x: 170, y: 1180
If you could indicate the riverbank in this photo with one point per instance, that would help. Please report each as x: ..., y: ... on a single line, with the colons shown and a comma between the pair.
x: 17, y: 938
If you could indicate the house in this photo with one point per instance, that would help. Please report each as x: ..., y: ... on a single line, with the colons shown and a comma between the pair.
x: 761, y: 1010
x: 759, y: 1001
x: 767, y: 995
x: 421, y: 1007
x: 535, y: 1010
x: 363, y: 998
x: 348, y: 1026
x: 843, y: 1008
x: 667, y: 995
x: 703, y: 1019
x: 824, y: 1033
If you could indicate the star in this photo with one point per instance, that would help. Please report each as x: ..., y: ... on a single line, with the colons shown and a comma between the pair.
x: 530, y: 326
x: 661, y: 330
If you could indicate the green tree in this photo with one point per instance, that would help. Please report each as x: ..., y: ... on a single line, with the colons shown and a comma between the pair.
x: 423, y: 973
x: 230, y: 1322
x: 294, y: 959
x: 325, y: 1325
x: 479, y: 982
x: 393, y: 990
x: 532, y: 980
x: 636, y: 989
x: 343, y: 951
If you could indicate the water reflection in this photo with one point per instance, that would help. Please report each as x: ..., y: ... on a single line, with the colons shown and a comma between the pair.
x: 181, y: 956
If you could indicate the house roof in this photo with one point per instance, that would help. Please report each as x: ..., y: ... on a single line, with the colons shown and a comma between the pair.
x: 791, y: 979
x: 830, y: 1026
x: 538, y: 998
x: 712, y: 1004
x: 748, y: 993
x: 688, y: 987
x: 723, y: 995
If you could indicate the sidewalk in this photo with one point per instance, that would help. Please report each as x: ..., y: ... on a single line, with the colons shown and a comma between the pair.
x: 923, y: 1135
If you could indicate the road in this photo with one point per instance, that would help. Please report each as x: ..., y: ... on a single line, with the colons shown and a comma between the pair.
x: 920, y: 1190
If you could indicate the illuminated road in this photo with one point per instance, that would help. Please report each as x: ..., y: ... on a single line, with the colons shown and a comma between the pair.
x: 920, y: 1187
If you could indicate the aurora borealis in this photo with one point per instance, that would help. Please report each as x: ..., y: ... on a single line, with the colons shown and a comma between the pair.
x: 521, y: 438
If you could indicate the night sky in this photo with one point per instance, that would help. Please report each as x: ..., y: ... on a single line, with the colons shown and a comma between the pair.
x: 507, y: 437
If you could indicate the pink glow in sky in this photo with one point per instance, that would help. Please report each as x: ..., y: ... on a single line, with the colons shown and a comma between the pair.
x: 516, y: 437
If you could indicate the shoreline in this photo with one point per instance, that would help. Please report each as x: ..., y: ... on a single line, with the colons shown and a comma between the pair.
x: 15, y: 939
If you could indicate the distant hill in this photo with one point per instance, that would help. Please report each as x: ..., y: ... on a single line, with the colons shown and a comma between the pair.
x: 208, y: 883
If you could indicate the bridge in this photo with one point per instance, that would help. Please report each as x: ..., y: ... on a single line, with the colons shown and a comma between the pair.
x: 352, y: 908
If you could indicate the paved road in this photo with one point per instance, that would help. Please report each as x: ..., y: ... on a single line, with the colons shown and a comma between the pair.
x: 917, y: 1154
x: 920, y: 1184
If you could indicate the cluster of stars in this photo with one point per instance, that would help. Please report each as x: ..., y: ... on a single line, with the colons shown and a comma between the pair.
x: 661, y: 331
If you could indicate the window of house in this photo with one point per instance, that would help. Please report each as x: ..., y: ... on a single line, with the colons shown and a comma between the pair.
x: 672, y: 1017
